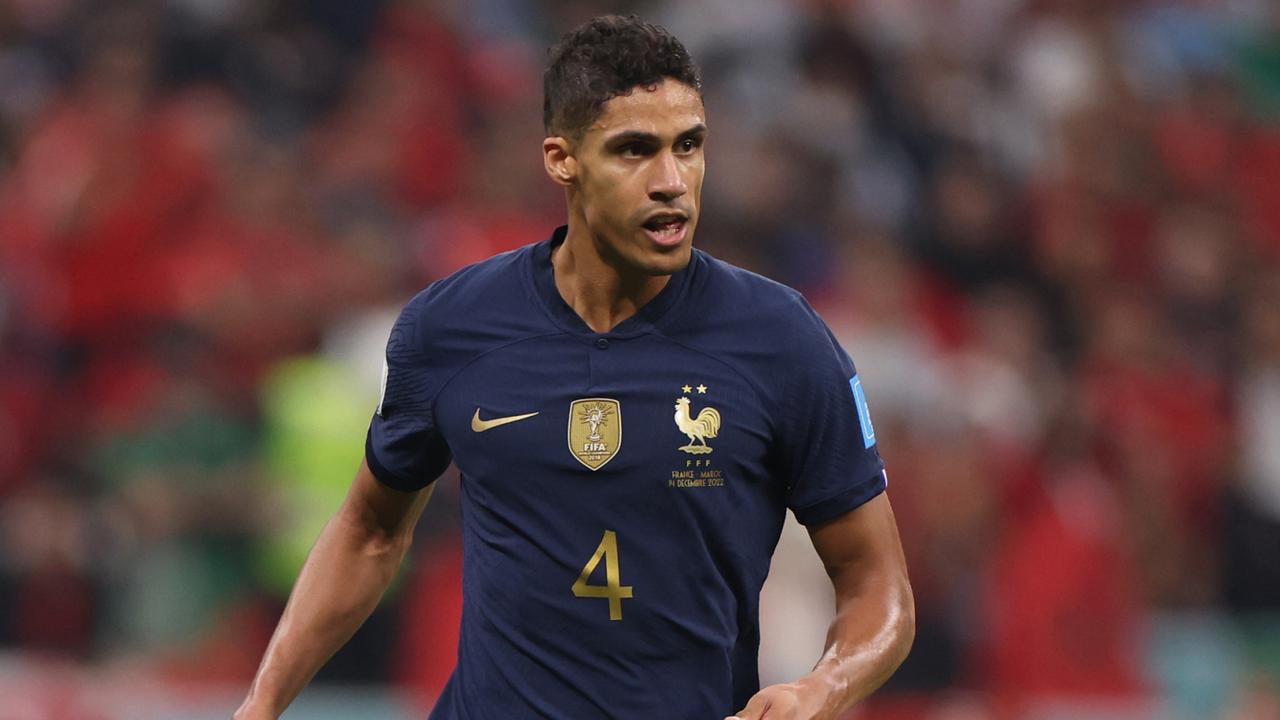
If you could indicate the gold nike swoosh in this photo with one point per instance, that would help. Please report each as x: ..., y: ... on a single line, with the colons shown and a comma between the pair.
x: 479, y: 425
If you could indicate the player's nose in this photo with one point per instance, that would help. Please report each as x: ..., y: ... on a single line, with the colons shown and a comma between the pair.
x: 667, y: 182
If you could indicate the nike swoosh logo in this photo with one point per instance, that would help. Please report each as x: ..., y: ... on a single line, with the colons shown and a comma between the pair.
x: 479, y: 425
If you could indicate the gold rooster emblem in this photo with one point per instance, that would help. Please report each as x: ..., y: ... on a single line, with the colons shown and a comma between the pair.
x: 706, y: 425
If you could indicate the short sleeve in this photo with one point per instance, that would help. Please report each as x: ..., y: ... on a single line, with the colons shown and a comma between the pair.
x: 827, y: 445
x: 403, y: 448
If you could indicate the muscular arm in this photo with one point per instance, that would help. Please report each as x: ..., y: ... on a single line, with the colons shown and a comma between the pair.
x: 874, y: 624
x: 350, y: 566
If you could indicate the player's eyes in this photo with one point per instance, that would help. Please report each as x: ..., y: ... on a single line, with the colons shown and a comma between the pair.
x: 688, y: 145
x: 641, y: 150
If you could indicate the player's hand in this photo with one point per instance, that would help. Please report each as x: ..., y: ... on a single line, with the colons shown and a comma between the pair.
x: 788, y: 701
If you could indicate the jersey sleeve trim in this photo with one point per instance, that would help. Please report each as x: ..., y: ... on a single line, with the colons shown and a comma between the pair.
x: 843, y: 502
x: 384, y: 475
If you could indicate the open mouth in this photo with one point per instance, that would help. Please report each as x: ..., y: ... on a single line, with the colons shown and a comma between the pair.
x: 667, y: 230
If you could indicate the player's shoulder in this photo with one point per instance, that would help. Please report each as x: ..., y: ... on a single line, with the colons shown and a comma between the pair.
x: 736, y: 295
x: 470, y: 310
x: 764, y: 329
x: 490, y: 283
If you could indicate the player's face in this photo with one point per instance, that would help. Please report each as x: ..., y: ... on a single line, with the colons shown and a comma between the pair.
x: 639, y: 177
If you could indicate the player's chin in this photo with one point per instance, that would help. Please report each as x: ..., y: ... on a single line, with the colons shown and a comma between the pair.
x: 665, y: 260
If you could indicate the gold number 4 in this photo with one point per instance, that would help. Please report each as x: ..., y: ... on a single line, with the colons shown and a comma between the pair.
x: 613, y: 589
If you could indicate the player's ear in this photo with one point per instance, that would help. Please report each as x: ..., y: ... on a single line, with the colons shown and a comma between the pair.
x: 558, y: 159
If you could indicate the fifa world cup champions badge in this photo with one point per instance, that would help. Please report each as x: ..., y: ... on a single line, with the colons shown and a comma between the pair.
x: 595, y: 430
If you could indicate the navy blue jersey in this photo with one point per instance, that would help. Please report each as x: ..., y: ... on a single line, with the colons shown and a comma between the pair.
x: 622, y: 492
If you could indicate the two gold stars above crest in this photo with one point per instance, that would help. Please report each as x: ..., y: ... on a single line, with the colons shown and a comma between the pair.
x: 702, y: 389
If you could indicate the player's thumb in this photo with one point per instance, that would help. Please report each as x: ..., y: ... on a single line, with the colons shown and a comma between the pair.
x: 754, y: 710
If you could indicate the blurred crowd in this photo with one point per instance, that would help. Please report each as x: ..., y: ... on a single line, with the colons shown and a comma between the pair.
x: 1048, y: 231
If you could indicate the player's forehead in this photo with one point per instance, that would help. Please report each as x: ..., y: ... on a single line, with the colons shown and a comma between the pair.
x: 666, y: 110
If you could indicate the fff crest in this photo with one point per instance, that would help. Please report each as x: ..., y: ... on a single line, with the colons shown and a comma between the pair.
x: 595, y: 430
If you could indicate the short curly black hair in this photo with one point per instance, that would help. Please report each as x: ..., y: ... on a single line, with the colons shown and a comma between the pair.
x: 603, y: 58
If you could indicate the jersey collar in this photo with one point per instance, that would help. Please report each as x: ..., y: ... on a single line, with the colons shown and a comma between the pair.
x: 645, y: 319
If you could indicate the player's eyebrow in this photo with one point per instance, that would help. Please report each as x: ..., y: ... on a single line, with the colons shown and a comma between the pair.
x: 640, y: 137
x: 630, y: 137
x: 697, y: 132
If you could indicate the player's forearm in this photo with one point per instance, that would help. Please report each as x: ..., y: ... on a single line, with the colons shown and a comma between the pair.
x: 344, y: 576
x: 869, y: 638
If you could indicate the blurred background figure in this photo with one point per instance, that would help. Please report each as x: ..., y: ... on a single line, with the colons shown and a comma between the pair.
x: 1048, y: 231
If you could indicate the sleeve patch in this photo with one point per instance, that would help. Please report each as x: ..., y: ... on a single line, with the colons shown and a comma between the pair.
x: 864, y: 415
x: 382, y: 394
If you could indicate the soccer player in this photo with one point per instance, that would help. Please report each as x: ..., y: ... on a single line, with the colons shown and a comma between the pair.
x: 631, y: 419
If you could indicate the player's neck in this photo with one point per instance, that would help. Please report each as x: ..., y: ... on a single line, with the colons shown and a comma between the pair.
x: 602, y: 294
